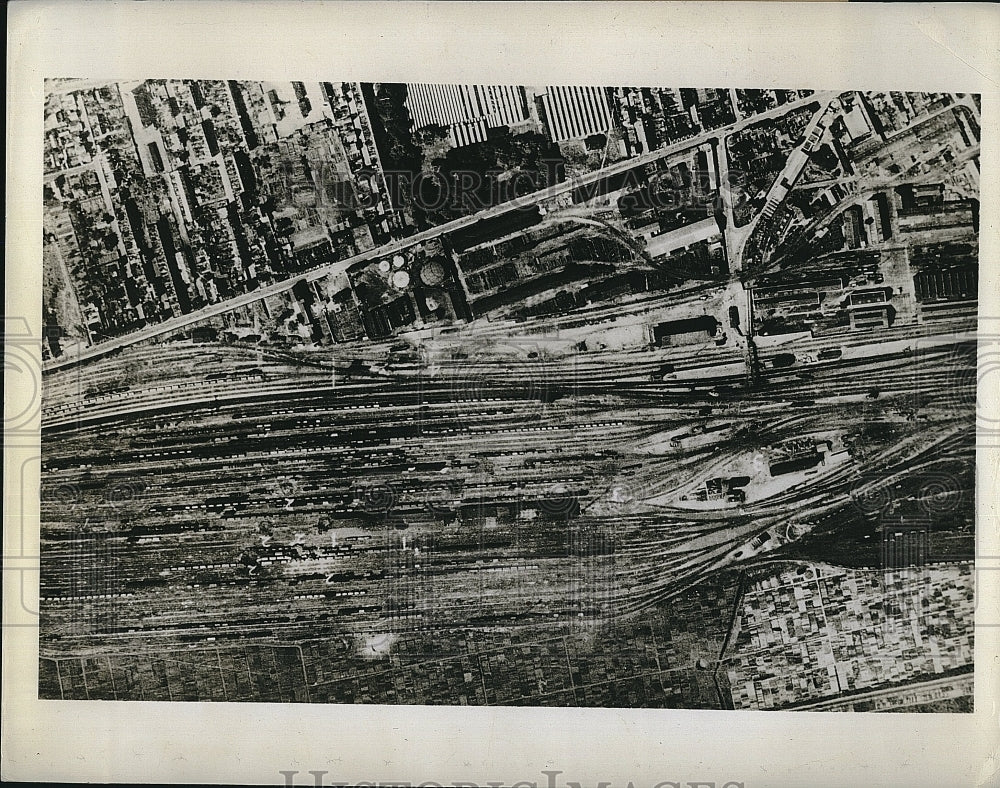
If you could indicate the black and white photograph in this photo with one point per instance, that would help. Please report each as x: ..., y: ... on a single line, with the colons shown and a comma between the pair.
x: 539, y: 394
x: 492, y: 394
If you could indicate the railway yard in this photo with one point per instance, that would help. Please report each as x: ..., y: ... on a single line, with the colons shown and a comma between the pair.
x: 680, y: 469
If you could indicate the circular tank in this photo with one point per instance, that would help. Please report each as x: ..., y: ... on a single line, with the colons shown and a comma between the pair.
x: 432, y: 273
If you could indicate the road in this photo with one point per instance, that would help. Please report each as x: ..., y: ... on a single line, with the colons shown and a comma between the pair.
x: 332, y: 269
x: 794, y: 164
x: 962, y: 685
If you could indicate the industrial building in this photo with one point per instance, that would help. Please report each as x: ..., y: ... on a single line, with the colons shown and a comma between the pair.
x: 572, y: 113
x: 686, y: 331
x: 469, y: 112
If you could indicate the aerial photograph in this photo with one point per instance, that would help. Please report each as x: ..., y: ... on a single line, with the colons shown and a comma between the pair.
x: 503, y: 395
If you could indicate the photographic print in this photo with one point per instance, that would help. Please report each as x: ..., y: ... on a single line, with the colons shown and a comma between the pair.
x: 491, y: 394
